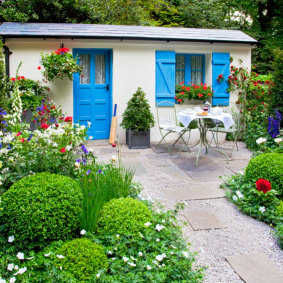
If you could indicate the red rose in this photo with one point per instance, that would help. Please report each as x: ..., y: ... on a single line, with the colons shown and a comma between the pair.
x: 235, y: 83
x: 200, y: 95
x: 262, y: 102
x: 179, y: 100
x: 22, y: 140
x: 53, y: 107
x: 61, y: 118
x: 220, y: 76
x: 18, y: 134
x: 188, y: 89
x: 39, y: 68
x: 22, y: 77
x: 68, y: 119
x: 196, y: 87
x: 63, y: 150
x: 263, y: 185
x: 19, y: 78
x: 175, y: 97
x: 13, y: 79
x: 56, y: 125
x: 44, y: 126
x: 205, y: 87
x: 229, y: 81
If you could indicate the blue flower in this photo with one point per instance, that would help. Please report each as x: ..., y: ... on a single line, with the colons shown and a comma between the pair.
x: 88, y: 172
x: 78, y: 160
x: 99, y: 171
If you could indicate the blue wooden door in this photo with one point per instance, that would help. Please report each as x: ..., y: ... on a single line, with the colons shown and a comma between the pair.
x: 92, y: 99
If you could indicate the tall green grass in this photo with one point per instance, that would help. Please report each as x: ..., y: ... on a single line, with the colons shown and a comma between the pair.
x: 100, y: 184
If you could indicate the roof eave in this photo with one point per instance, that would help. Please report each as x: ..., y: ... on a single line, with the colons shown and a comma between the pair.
x: 126, y: 38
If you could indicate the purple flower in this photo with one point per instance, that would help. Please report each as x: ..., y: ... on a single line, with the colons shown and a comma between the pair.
x: 274, y: 124
x: 99, y: 171
x: 88, y: 172
x: 78, y: 160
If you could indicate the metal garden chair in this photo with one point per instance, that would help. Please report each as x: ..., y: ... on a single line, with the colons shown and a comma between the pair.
x: 166, y: 111
x: 234, y: 110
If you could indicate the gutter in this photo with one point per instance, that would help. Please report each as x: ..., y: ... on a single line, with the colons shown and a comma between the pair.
x: 126, y: 38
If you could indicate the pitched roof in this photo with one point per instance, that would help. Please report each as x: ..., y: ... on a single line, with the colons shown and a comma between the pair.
x: 61, y: 30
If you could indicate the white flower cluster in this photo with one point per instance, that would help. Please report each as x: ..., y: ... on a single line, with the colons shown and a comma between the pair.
x: 261, y: 140
x: 262, y: 209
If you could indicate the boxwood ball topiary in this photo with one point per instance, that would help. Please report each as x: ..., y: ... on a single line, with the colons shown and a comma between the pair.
x: 42, y: 208
x: 82, y: 258
x: 123, y: 216
x: 267, y: 166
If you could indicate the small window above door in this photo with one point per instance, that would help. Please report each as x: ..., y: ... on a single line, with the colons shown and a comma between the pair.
x: 190, y: 68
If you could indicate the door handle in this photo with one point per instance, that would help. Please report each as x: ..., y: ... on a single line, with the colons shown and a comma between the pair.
x: 107, y: 87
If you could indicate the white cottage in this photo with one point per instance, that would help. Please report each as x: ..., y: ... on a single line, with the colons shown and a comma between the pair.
x: 119, y: 59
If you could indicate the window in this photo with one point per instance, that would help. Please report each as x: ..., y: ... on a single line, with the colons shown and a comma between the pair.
x: 190, y: 68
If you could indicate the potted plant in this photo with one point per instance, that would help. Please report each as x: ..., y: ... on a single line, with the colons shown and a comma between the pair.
x: 59, y: 64
x: 137, y: 120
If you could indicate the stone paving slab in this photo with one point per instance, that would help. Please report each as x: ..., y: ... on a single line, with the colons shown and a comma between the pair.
x: 204, y: 219
x: 162, y: 156
x: 129, y: 154
x: 256, y: 268
x: 194, y: 193
x: 134, y: 165
x: 174, y: 172
x: 209, y: 176
x: 235, y: 164
x: 162, y: 148
x: 98, y: 142
x: 204, y: 164
x: 159, y: 162
x: 109, y: 150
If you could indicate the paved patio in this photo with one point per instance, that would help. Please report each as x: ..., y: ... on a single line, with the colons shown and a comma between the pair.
x: 217, y: 230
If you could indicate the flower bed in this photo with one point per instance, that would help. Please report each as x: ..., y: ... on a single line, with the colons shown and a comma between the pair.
x: 258, y: 191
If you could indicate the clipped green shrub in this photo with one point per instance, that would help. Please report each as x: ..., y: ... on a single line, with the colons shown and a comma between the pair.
x: 82, y: 258
x: 41, y: 208
x: 267, y: 166
x: 279, y: 235
x: 123, y: 216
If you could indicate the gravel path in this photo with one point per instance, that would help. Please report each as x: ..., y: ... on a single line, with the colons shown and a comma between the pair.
x: 243, y: 235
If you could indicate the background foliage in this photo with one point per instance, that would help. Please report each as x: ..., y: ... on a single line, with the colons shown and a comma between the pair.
x: 261, y: 19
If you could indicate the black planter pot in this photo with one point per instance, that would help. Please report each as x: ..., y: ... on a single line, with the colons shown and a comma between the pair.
x: 139, y: 139
x: 26, y: 117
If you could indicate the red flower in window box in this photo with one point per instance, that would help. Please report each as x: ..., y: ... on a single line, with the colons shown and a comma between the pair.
x: 200, y: 95
x: 22, y: 77
x: 63, y: 150
x: 44, y: 126
x: 13, y: 79
x: 201, y: 84
x: 196, y: 87
x: 179, y: 100
x: 181, y: 92
x: 39, y: 68
x: 183, y: 87
x: 175, y: 97
x: 68, y: 119
x: 209, y: 94
x: 181, y: 83
x: 188, y: 89
x: 263, y: 185
x: 205, y: 87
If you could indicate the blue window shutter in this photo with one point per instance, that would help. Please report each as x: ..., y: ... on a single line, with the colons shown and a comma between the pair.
x: 165, y: 76
x: 220, y: 65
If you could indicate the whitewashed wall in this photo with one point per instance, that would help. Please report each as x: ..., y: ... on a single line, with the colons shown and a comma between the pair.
x: 133, y: 67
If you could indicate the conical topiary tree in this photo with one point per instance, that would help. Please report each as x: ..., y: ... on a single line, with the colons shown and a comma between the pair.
x: 137, y: 116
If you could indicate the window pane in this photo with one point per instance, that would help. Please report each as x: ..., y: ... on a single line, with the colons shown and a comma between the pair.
x: 197, y: 77
x: 85, y: 62
x: 196, y: 62
x: 180, y: 76
x: 180, y: 62
x: 99, y: 69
